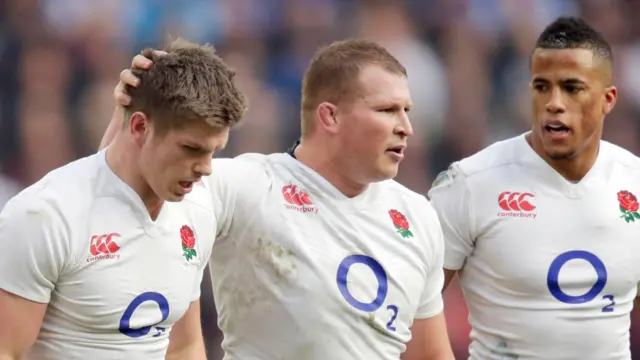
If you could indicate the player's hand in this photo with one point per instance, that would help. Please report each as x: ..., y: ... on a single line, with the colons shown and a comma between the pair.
x: 140, y: 62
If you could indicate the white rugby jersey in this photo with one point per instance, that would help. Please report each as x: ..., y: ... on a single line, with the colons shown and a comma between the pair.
x: 82, y: 241
x: 302, y: 272
x: 549, y: 268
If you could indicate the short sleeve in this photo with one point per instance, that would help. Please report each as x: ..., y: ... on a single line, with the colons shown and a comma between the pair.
x: 236, y: 186
x: 450, y: 196
x: 223, y: 191
x: 431, y: 303
x: 32, y: 248
x: 198, y: 282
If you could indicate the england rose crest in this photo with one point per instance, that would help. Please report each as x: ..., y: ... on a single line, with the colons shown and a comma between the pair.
x: 401, y: 223
x: 628, y: 206
x: 188, y: 242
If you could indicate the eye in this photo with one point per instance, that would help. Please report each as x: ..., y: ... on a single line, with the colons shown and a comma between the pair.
x: 572, y: 89
x: 393, y: 110
x: 190, y: 149
x: 540, y: 87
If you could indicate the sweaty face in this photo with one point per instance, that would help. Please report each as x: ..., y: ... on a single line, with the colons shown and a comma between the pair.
x: 375, y: 127
x: 570, y: 97
x: 173, y: 161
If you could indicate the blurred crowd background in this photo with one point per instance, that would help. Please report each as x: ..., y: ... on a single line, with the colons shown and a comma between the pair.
x: 467, y: 62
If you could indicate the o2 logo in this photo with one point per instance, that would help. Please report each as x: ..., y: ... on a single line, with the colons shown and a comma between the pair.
x: 125, y: 321
x: 381, y: 276
x: 596, y: 289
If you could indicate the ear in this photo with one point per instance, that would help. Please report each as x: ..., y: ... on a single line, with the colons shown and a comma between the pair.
x: 610, y: 98
x: 327, y: 114
x: 139, y: 127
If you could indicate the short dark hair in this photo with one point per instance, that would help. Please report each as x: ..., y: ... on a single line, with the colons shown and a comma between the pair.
x: 189, y: 83
x: 574, y: 33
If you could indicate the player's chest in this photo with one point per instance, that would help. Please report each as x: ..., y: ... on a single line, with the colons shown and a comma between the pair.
x: 124, y: 266
x: 369, y: 264
x: 535, y: 238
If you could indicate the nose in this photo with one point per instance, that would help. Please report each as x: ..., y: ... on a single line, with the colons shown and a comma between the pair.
x: 556, y: 103
x: 404, y: 128
x: 203, y: 167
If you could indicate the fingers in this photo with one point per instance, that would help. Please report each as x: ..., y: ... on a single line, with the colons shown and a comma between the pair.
x: 128, y: 78
x: 141, y: 62
x: 122, y: 99
x: 150, y: 53
x: 144, y: 60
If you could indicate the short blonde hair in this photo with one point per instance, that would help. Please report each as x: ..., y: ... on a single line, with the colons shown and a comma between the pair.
x: 332, y: 75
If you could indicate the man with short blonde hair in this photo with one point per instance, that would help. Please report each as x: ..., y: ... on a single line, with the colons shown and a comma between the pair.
x: 319, y: 254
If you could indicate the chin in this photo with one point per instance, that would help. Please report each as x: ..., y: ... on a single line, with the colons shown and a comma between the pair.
x: 170, y: 195
x: 387, y: 173
x: 558, y: 154
x: 174, y: 198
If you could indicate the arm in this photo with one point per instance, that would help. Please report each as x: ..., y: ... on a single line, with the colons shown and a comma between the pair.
x: 450, y: 196
x: 121, y: 97
x: 429, y: 337
x: 21, y: 320
x: 112, y: 129
x: 430, y: 340
x: 31, y: 257
x: 185, y: 341
x: 448, y: 276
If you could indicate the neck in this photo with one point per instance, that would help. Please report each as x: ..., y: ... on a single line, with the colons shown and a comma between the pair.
x: 322, y: 163
x: 124, y: 165
x: 572, y: 168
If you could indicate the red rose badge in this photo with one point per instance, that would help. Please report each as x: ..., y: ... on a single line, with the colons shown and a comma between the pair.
x: 401, y: 223
x: 628, y: 206
x: 188, y: 242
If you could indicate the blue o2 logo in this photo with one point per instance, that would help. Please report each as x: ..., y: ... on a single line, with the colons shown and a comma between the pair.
x: 125, y: 321
x: 601, y: 271
x: 383, y: 286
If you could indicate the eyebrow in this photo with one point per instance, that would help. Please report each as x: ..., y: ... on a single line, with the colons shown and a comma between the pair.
x: 204, y: 149
x: 569, y: 81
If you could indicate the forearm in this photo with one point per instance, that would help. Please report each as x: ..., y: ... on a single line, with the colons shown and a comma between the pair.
x: 193, y: 351
x: 112, y: 129
x: 443, y: 356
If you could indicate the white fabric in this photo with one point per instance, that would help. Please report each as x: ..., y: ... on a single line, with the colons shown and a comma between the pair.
x: 522, y: 237
x: 283, y: 232
x: 83, y: 242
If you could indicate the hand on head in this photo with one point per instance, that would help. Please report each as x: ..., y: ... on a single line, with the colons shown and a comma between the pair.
x: 139, y: 62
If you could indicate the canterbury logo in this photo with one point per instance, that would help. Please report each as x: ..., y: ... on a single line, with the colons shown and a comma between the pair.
x: 516, y: 204
x: 297, y: 199
x: 104, y: 247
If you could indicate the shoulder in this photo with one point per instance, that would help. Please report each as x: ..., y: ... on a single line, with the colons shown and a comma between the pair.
x: 499, y: 155
x: 483, y: 166
x: 400, y: 193
x: 247, y: 171
x: 64, y: 193
x: 239, y: 167
x: 415, y: 205
x: 246, y: 162
x: 621, y: 157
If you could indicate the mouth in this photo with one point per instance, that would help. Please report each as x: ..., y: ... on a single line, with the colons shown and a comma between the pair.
x: 397, y: 151
x: 186, y: 185
x: 557, y: 130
